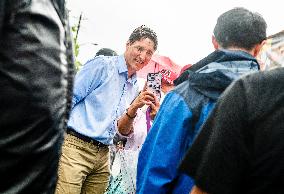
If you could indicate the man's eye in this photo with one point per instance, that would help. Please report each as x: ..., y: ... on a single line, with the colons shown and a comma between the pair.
x: 140, y: 49
x: 149, y: 53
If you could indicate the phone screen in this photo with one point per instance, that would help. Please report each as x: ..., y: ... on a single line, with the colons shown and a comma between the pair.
x: 154, y: 84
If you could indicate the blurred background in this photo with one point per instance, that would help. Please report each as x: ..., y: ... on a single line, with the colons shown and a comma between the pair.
x: 184, y: 27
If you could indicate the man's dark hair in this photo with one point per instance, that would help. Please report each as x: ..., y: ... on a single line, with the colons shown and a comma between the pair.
x: 241, y: 28
x: 106, y: 52
x: 143, y: 32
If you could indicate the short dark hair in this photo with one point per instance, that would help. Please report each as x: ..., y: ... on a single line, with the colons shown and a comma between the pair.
x: 106, y: 52
x: 241, y: 28
x: 143, y: 32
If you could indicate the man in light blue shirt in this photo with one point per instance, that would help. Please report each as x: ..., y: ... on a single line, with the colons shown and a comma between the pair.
x: 103, y: 90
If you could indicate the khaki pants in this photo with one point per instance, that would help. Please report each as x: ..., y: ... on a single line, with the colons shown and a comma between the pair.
x: 83, y: 168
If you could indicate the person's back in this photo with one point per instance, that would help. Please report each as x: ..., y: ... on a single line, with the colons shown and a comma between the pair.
x: 183, y: 112
x: 264, y: 113
x: 241, y: 144
x: 186, y: 108
x: 264, y: 107
x: 34, y: 78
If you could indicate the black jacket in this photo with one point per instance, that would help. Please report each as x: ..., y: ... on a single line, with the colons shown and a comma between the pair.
x: 240, y: 148
x: 36, y: 67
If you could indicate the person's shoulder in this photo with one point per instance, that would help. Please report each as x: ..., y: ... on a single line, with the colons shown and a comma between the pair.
x: 258, y: 87
x: 187, y: 91
x: 182, y: 87
x: 102, y: 61
x: 273, y: 74
x: 264, y: 78
x: 106, y: 59
x: 173, y: 99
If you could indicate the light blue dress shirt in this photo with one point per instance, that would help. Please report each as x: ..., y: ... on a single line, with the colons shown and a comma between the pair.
x: 102, y: 92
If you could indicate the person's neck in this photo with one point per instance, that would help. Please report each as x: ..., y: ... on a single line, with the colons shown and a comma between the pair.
x: 130, y: 73
x: 241, y: 49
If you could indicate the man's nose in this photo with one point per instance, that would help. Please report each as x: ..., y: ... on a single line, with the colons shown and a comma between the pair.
x: 143, y: 55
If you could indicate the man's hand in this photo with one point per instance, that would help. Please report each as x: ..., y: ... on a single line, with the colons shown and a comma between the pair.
x: 125, y: 123
x: 154, y: 107
x: 145, y: 97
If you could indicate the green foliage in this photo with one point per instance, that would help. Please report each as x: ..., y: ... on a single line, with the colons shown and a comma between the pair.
x: 76, y: 48
x: 78, y: 65
x: 74, y: 30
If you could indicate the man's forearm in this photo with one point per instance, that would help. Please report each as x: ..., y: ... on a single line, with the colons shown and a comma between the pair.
x: 125, y: 123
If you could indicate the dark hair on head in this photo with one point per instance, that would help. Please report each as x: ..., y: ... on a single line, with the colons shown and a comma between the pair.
x: 106, y: 52
x: 241, y: 28
x: 143, y: 32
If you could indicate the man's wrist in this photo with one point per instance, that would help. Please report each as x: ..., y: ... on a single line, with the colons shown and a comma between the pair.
x: 129, y: 114
x: 126, y: 134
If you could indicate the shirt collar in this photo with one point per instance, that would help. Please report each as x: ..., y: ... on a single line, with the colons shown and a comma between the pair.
x: 122, y: 69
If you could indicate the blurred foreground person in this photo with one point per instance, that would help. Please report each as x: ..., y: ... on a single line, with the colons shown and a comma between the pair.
x: 103, y: 90
x: 36, y: 64
x: 240, y: 148
x: 238, y: 36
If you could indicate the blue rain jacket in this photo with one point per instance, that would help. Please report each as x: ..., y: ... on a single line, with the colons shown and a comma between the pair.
x: 178, y: 121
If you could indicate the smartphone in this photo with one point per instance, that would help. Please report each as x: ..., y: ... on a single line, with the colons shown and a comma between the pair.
x: 154, y: 81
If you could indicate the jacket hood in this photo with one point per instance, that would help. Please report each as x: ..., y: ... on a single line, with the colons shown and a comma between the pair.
x: 219, y: 56
x: 213, y: 78
x: 210, y: 84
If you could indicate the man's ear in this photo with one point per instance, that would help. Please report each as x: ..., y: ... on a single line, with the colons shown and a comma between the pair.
x: 215, y: 43
x: 258, y: 47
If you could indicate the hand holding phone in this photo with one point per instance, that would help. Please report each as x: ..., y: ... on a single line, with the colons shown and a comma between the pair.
x: 154, y: 84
